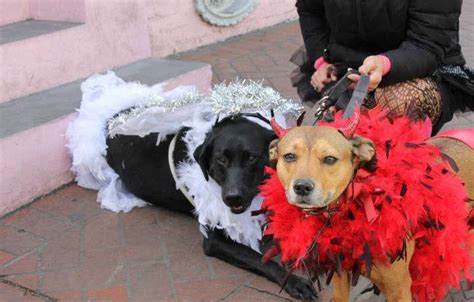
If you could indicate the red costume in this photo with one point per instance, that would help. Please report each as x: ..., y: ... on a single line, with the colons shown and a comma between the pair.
x: 411, y: 194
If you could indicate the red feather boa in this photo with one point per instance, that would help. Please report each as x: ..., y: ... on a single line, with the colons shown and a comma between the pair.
x: 410, y: 192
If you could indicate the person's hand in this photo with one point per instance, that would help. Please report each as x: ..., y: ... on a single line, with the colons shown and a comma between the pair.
x: 374, y: 68
x: 325, y: 74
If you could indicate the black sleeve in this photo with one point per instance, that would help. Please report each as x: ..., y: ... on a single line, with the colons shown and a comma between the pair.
x: 314, y: 27
x: 432, y: 32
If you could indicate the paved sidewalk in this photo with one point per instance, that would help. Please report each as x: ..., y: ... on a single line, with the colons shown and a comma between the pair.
x: 64, y: 247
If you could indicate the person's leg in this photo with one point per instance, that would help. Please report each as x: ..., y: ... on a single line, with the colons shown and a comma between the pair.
x: 416, y: 97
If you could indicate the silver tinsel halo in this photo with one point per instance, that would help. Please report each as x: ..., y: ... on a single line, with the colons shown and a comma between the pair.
x: 245, y: 95
x: 225, y: 99
x: 167, y: 105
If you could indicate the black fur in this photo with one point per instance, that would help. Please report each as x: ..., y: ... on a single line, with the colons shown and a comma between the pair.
x: 234, y: 154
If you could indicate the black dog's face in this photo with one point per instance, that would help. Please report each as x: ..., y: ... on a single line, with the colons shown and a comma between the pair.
x: 234, y: 154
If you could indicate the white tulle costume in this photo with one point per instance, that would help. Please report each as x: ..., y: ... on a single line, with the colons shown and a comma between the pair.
x: 105, y: 97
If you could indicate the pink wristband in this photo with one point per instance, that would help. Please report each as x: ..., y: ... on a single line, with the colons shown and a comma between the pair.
x: 319, y: 62
x: 387, y: 65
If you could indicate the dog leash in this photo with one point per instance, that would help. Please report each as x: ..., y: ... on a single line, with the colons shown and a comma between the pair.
x: 311, y: 116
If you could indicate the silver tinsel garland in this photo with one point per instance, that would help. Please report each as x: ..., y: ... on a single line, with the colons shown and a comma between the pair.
x: 247, y: 95
x: 225, y: 99
x: 167, y: 105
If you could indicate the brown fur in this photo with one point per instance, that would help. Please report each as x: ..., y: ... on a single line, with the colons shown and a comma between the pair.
x: 463, y: 155
x: 309, y: 146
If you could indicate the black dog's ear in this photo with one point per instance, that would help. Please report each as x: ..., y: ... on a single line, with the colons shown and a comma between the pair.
x: 202, y: 155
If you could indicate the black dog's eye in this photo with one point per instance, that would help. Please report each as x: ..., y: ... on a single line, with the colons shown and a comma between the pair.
x: 252, y: 158
x: 221, y: 160
x: 330, y: 160
x: 289, y: 157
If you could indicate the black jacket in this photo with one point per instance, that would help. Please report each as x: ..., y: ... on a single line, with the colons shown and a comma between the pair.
x: 417, y: 36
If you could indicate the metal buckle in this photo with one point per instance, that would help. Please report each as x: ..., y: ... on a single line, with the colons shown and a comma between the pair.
x: 314, y: 114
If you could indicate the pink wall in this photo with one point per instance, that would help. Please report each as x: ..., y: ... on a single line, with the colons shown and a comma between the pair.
x: 58, y: 10
x: 13, y: 11
x: 175, y: 26
x: 33, y: 162
x: 113, y: 35
x: 115, y: 32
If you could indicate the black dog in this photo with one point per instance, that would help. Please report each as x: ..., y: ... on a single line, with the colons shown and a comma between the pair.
x: 234, y: 154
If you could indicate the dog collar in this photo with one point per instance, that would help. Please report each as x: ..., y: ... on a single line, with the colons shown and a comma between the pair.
x: 172, y: 166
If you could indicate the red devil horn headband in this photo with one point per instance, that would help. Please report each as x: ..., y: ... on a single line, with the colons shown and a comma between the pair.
x: 350, y: 125
x: 279, y: 130
x: 352, y: 111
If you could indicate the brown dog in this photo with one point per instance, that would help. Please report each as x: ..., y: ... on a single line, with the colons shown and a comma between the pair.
x: 316, y: 164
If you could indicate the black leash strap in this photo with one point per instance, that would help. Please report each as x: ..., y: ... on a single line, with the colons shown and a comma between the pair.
x: 314, y: 114
x: 358, y: 96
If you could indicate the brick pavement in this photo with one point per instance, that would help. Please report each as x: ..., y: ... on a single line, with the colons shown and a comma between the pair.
x: 64, y: 247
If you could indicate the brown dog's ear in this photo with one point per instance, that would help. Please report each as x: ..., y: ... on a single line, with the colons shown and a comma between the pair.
x: 273, y: 152
x: 364, y: 150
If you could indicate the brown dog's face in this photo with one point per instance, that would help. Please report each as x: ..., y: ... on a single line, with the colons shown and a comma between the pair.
x: 315, y: 164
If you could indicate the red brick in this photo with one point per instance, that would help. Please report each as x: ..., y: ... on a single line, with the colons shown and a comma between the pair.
x: 221, y: 269
x: 207, y: 290
x: 30, y: 281
x: 261, y: 60
x: 110, y: 257
x: 73, y: 203
x: 244, y: 65
x: 102, y: 231
x: 104, y: 276
x: 67, y: 296
x: 281, y: 83
x: 117, y: 294
x: 37, y: 223
x: 245, y: 293
x: 5, y: 257
x: 62, y: 281
x: 63, y: 252
x: 177, y: 225
x: 139, y: 216
x: 8, y: 293
x: 150, y: 282
x: 18, y: 242
x: 187, y: 259
x: 89, y: 278
x: 23, y: 264
x: 11, y: 294
x: 143, y: 243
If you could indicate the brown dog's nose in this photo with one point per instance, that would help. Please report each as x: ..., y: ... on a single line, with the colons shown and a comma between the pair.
x: 303, y: 187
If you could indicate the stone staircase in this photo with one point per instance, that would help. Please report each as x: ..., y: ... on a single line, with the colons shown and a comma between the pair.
x: 44, y: 56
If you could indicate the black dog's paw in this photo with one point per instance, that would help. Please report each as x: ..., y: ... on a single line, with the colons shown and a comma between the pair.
x: 300, y: 288
x: 207, y: 247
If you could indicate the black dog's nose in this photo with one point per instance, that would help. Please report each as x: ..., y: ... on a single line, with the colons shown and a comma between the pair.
x: 233, y: 199
x: 303, y: 187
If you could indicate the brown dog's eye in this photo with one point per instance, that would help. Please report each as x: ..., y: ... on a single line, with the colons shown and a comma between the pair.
x: 330, y: 160
x: 289, y: 157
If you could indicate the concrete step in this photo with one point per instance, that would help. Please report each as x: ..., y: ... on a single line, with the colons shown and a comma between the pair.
x: 37, y: 55
x: 31, y: 28
x: 33, y: 157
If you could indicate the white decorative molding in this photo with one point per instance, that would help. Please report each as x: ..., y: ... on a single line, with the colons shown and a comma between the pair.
x: 224, y: 12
